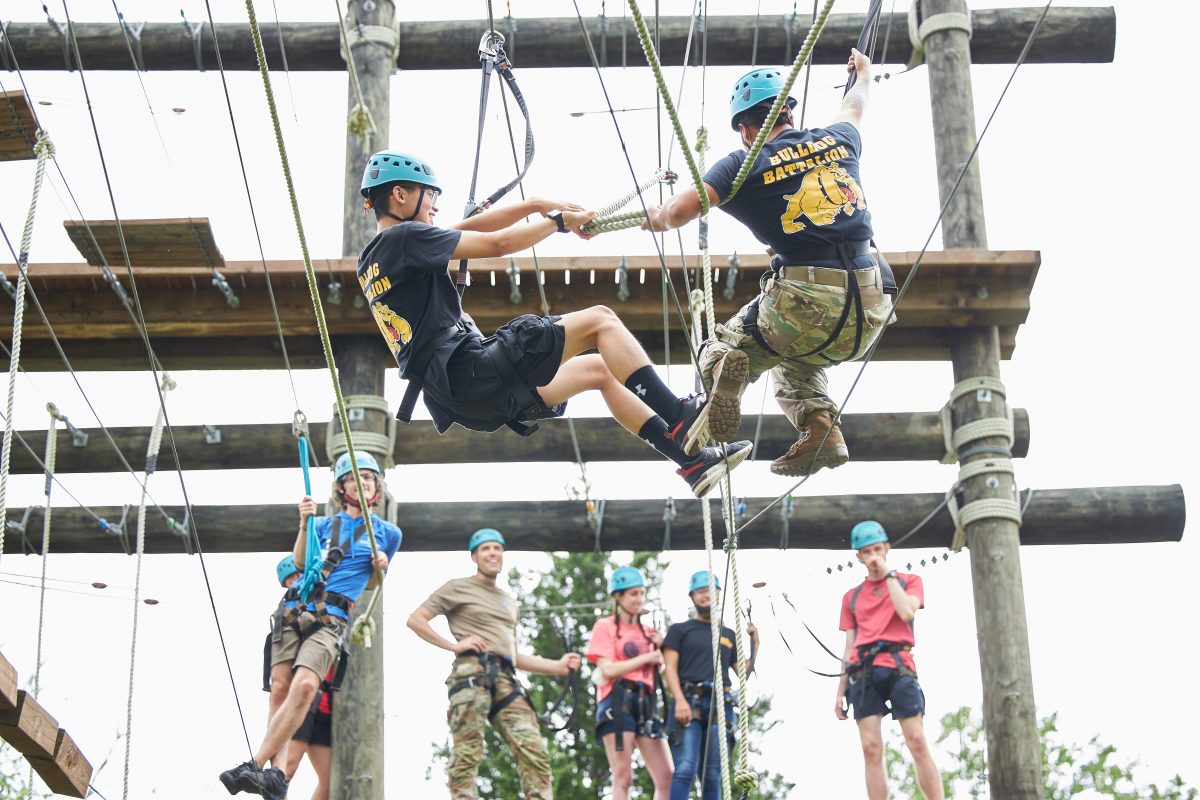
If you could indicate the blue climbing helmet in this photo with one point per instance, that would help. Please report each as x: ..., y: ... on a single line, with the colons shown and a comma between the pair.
x: 625, y: 578
x: 387, y: 166
x: 341, y: 467
x: 485, y: 535
x: 700, y: 581
x: 757, y: 85
x: 285, y: 568
x: 867, y: 533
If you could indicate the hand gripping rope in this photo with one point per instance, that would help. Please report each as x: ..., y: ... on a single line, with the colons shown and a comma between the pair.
x: 312, y: 548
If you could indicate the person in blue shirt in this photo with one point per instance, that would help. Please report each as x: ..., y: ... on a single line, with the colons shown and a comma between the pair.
x: 309, y: 640
x: 826, y: 297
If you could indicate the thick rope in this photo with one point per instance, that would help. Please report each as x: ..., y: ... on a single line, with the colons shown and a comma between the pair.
x: 717, y: 698
x: 360, y: 122
x: 777, y: 107
x: 743, y: 778
x: 43, y: 149
x: 364, y: 628
x: 152, y: 448
x: 51, y: 451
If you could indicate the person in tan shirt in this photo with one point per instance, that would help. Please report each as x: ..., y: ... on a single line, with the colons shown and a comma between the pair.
x: 483, y: 684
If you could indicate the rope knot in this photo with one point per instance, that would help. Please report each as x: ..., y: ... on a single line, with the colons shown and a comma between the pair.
x: 43, y: 148
x: 746, y: 781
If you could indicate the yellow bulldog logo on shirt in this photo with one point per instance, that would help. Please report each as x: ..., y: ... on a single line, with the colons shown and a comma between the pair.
x: 395, y: 328
x: 824, y: 193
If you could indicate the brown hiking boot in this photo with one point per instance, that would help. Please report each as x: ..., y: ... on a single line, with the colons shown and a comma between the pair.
x: 721, y: 414
x: 802, y: 458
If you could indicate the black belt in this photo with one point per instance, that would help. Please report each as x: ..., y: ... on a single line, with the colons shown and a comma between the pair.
x: 843, y: 252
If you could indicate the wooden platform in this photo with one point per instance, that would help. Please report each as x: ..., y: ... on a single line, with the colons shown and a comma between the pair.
x: 150, y: 242
x: 18, y: 130
x: 193, y: 327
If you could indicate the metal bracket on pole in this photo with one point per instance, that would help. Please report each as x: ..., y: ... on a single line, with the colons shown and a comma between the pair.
x: 334, y: 298
x: 623, y: 280
x: 134, y: 31
x: 78, y: 437
x: 196, y: 33
x: 19, y: 527
x: 182, y: 530
x: 118, y: 530
x: 63, y: 30
x: 225, y: 289
x: 731, y: 278
x: 212, y: 434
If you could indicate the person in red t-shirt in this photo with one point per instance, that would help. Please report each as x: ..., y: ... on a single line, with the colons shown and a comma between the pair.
x: 879, y: 675
x: 627, y: 659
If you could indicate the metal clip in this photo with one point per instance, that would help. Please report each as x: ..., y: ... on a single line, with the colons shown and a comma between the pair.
x: 491, y: 47
x: 785, y: 518
x: 300, y: 425
x: 212, y: 434
x: 111, y: 279
x: 731, y: 278
x: 623, y: 280
x: 78, y: 437
x: 514, y: 281
x: 225, y: 289
x: 196, y: 32
x: 118, y: 530
x: 669, y: 515
x: 19, y: 527
x: 667, y: 177
x: 182, y: 530
x: 335, y: 292
x: 595, y: 518
x: 9, y: 289
x: 134, y: 32
x: 63, y: 30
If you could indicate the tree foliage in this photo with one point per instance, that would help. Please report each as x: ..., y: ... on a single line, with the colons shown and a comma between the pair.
x: 1068, y: 770
x: 14, y: 784
x: 578, y: 763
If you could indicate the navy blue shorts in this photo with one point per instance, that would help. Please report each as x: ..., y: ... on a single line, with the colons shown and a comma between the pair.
x: 533, y: 345
x: 884, y: 691
x: 631, y: 721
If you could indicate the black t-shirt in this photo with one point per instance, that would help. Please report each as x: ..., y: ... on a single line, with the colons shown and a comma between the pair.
x: 693, y: 641
x: 803, y: 190
x: 404, y: 274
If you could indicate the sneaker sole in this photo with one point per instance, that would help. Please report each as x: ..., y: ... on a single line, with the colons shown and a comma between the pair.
x: 719, y: 471
x: 831, y: 457
x: 229, y: 783
x: 721, y: 416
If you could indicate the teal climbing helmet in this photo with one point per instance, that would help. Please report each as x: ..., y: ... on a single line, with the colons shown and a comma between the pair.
x: 757, y: 85
x: 285, y: 567
x: 341, y: 467
x: 485, y: 535
x: 625, y: 578
x: 867, y: 533
x: 386, y: 167
x: 700, y: 581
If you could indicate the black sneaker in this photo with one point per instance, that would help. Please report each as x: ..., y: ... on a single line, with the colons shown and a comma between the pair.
x: 271, y: 784
x: 689, y: 432
x: 713, y: 465
x: 241, y: 778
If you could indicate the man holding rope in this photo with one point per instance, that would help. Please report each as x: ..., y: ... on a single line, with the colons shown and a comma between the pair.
x: 826, y: 297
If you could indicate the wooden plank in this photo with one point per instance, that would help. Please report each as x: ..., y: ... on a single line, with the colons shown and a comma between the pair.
x: 1097, y: 515
x: 902, y: 436
x: 29, y: 728
x: 8, y: 685
x: 69, y: 773
x: 1084, y: 35
x: 18, y: 130
x: 149, y: 242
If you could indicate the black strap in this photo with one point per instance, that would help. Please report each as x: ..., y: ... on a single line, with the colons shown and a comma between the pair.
x: 750, y: 323
x: 414, y: 370
x: 526, y: 398
x: 808, y: 255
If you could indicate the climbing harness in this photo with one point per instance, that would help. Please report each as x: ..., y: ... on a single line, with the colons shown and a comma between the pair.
x: 493, y: 665
x: 637, y: 700
x: 318, y: 596
x: 570, y: 685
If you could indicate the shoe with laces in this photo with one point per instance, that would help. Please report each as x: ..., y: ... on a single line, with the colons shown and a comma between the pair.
x: 713, y: 465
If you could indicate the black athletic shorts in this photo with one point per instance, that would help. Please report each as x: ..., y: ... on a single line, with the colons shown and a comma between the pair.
x: 533, y: 345
x: 886, y: 690
x: 317, y: 729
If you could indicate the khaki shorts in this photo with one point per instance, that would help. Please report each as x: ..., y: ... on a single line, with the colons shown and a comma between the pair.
x: 318, y: 651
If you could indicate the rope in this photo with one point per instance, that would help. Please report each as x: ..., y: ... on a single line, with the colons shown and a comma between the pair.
x: 718, y: 696
x: 44, y: 149
x: 363, y: 628
x: 744, y: 778
x: 51, y: 449
x: 777, y: 106
x: 152, y: 448
x: 360, y: 121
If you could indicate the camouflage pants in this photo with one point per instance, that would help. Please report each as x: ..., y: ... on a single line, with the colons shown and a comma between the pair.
x: 516, y: 723
x: 796, y: 317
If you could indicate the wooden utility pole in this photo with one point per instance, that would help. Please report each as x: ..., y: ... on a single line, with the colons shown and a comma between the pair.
x: 358, y: 756
x: 1014, y: 756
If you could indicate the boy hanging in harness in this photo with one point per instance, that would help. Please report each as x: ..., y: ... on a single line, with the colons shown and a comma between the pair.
x: 825, y: 298
x: 528, y: 369
x: 879, y: 675
x: 307, y: 636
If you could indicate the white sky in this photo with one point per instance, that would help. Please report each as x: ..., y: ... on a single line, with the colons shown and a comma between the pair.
x: 1069, y: 168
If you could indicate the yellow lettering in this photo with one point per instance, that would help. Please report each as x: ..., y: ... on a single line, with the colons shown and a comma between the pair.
x: 768, y: 177
x: 780, y: 174
x: 774, y: 160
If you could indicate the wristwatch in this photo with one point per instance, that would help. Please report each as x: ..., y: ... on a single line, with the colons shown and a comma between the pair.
x: 557, y: 216
x: 891, y: 574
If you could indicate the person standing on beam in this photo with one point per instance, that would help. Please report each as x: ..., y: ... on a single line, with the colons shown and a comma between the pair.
x: 878, y: 672
x: 483, y: 684
x: 826, y: 297
x: 529, y: 368
x: 307, y: 639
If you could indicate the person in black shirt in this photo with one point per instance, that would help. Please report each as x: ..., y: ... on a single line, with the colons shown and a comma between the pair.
x: 530, y: 366
x: 826, y: 297
x: 688, y: 669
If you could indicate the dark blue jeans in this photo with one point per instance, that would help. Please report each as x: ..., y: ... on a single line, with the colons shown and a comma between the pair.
x: 687, y: 750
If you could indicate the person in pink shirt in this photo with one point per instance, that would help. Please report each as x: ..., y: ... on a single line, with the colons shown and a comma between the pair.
x: 627, y: 658
x: 879, y: 675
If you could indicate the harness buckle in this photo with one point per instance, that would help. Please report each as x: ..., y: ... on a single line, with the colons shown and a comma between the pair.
x: 491, y: 47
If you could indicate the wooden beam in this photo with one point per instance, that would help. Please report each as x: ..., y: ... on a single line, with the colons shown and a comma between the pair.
x: 1103, y: 515
x: 149, y: 242
x: 955, y: 288
x: 905, y: 436
x: 1083, y: 35
x: 18, y: 131
x: 8, y: 685
x: 29, y: 728
x: 69, y: 772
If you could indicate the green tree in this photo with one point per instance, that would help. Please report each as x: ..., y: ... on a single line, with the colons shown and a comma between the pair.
x: 1068, y: 770
x: 14, y: 773
x: 577, y: 581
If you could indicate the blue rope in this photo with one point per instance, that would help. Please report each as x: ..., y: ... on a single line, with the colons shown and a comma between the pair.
x: 312, y: 550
